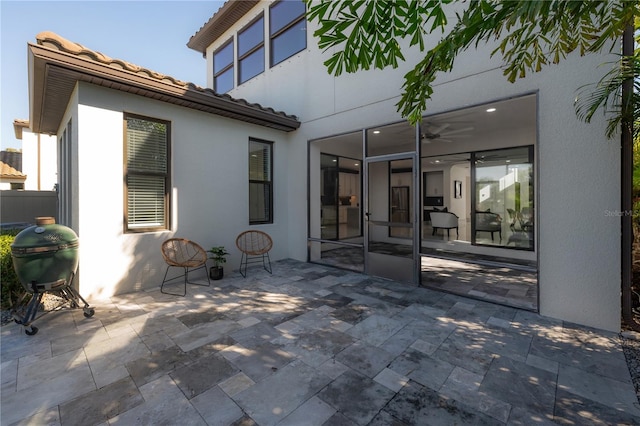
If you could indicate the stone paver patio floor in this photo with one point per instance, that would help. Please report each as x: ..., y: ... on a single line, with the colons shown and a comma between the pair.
x: 310, y: 345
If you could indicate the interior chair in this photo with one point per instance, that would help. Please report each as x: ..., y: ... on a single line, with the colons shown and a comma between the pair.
x: 489, y: 222
x: 444, y: 220
x: 185, y: 254
x: 527, y: 220
x: 254, y: 246
x: 513, y: 217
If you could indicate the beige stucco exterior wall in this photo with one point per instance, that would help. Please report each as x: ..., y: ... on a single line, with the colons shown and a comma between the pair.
x: 577, y: 167
x: 578, y: 183
x: 209, y: 169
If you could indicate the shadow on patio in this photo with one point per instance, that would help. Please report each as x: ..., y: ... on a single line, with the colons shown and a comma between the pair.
x: 312, y: 345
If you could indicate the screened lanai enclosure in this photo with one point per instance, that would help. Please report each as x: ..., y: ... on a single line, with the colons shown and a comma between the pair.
x: 449, y: 204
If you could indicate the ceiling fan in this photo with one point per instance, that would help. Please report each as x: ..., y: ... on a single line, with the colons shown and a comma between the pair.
x: 441, y: 133
x: 491, y: 158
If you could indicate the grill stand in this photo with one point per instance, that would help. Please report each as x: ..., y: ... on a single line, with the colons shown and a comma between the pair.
x: 60, y: 288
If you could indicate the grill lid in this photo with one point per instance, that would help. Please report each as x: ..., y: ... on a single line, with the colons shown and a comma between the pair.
x: 45, y: 236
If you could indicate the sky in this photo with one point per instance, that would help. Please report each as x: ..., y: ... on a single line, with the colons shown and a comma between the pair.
x: 151, y: 34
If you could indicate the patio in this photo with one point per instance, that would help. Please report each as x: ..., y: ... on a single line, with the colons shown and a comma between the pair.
x: 310, y: 345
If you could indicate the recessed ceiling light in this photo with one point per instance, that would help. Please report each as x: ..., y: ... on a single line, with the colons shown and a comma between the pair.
x: 375, y: 132
x: 356, y: 164
x: 334, y: 160
x: 491, y: 109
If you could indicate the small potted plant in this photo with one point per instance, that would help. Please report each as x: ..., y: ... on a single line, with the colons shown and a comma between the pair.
x: 218, y: 255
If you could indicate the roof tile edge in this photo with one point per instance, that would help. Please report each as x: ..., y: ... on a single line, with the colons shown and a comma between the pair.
x: 54, y: 41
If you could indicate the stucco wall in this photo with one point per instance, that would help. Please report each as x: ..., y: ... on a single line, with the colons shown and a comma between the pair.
x: 578, y: 233
x: 209, y: 189
x: 39, y: 161
x: 577, y: 167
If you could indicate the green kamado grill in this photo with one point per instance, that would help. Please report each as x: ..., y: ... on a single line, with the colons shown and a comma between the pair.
x: 45, y: 258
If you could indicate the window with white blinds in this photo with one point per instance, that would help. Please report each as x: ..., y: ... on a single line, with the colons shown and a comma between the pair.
x: 146, y: 174
x: 260, y: 182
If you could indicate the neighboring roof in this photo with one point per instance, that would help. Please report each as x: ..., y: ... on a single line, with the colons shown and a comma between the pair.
x: 58, y: 64
x: 18, y: 125
x: 221, y: 21
x: 12, y: 159
x: 8, y: 172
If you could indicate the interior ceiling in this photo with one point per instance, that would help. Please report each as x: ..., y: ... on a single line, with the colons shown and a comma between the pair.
x: 450, y: 127
x: 448, y: 159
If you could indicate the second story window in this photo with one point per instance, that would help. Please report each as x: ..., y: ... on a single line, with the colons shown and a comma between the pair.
x: 287, y: 29
x: 251, y: 50
x: 223, y: 68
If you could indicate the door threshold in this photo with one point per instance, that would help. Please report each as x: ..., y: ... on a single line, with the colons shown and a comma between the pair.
x: 485, y: 260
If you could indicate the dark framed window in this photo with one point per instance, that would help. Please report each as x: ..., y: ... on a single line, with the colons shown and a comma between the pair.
x: 251, y: 50
x: 146, y: 174
x: 504, y: 198
x: 223, y: 78
x: 287, y: 29
x: 260, y: 181
x: 65, y: 173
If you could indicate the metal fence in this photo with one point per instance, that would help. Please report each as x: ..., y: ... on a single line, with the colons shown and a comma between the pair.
x: 19, y: 208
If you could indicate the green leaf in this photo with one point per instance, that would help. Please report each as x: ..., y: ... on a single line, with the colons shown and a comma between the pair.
x: 528, y: 35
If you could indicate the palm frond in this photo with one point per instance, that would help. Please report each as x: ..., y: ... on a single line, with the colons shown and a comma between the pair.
x: 606, y: 95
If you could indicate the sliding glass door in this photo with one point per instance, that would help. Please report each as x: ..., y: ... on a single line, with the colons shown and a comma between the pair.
x: 329, y: 196
x: 340, y: 196
x: 504, y: 198
x: 391, y: 227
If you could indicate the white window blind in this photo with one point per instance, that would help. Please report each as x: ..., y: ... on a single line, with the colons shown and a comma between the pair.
x: 145, y: 202
x: 147, y: 174
x: 260, y: 182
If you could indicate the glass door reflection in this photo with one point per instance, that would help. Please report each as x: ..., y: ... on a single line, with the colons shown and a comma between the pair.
x: 390, y: 222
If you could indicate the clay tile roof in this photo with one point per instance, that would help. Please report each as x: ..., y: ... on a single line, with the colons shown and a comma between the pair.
x: 54, y: 41
x: 230, y: 12
x: 18, y: 125
x: 6, y: 171
x: 72, y: 62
